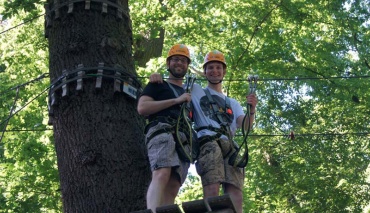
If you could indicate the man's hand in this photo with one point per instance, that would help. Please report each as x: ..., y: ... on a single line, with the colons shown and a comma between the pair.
x: 252, y: 100
x: 186, y: 97
x: 155, y: 78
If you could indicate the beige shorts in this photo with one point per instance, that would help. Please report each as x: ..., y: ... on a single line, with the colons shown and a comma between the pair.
x: 162, y: 153
x: 213, y: 168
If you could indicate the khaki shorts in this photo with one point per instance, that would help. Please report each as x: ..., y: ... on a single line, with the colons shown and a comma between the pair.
x: 213, y: 168
x: 162, y: 153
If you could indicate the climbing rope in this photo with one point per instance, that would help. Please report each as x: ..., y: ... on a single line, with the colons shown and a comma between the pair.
x: 240, y: 156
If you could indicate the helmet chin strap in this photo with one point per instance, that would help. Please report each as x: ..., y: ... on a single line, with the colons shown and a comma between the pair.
x: 175, y: 75
x: 214, y: 83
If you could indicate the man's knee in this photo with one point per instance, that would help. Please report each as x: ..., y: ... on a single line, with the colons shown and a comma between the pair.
x: 161, y: 175
x: 234, y: 192
x: 211, y: 190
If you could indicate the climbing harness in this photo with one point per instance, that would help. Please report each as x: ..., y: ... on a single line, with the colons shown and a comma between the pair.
x: 184, y: 125
x: 240, y: 157
x: 224, y: 118
x: 187, y: 150
x: 162, y: 119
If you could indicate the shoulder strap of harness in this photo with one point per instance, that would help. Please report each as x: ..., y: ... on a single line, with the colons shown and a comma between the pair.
x: 227, y: 103
x: 225, y: 127
x: 215, y: 107
x: 188, y: 105
x: 173, y: 89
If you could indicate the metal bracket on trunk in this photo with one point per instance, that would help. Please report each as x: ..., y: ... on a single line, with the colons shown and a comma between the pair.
x: 123, y: 81
x: 81, y: 75
x: 99, y: 76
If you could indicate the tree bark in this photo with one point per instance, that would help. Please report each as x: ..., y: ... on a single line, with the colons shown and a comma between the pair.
x: 98, y: 134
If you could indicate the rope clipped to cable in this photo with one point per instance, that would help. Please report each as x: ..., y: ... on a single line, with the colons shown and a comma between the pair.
x: 240, y: 156
x: 184, y: 125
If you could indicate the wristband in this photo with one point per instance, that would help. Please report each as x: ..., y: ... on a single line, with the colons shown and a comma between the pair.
x: 251, y: 113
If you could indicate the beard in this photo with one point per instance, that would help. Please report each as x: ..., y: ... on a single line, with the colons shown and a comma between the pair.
x: 177, y: 72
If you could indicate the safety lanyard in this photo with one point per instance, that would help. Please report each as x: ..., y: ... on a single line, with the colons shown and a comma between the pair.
x: 240, y: 159
x: 183, y: 121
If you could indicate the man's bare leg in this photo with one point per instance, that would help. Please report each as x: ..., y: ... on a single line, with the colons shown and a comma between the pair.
x: 171, y: 190
x: 155, y: 193
x: 236, y: 196
x: 211, y: 190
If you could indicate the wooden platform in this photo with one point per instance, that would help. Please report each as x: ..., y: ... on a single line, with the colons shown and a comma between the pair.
x: 218, y: 204
x: 169, y: 209
x: 143, y: 211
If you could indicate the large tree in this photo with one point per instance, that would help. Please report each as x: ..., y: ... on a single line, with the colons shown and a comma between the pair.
x: 97, y: 132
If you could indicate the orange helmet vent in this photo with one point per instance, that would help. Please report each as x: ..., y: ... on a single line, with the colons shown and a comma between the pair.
x: 179, y: 49
x: 214, y: 55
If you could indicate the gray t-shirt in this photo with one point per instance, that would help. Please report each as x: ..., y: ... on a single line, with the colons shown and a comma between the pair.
x: 203, y: 112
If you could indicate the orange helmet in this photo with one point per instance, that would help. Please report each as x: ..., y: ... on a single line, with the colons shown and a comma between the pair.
x: 179, y: 49
x: 214, y: 55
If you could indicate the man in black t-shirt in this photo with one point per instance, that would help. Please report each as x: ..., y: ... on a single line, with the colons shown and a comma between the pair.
x: 161, y: 104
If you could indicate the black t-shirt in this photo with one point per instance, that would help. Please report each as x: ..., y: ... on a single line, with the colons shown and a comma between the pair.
x: 161, y: 92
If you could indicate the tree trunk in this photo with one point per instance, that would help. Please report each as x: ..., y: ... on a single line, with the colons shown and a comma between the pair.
x: 98, y: 134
